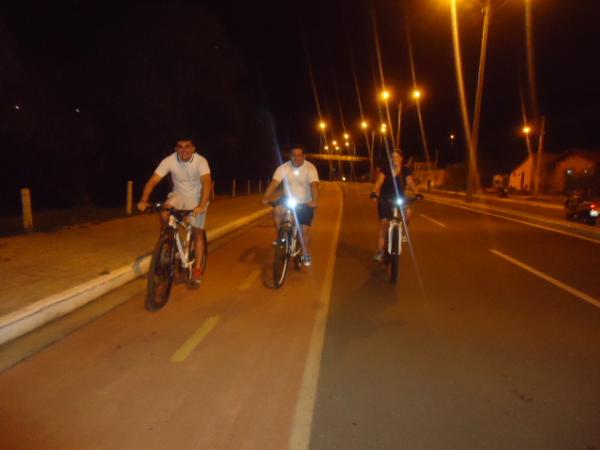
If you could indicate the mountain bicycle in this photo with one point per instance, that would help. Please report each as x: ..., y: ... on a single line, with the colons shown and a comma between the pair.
x: 288, y: 246
x: 172, y: 254
x: 396, y: 235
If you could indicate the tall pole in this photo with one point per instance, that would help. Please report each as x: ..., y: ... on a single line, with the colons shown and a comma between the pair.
x: 538, y: 159
x: 463, y: 101
x: 399, y: 125
x: 473, y: 177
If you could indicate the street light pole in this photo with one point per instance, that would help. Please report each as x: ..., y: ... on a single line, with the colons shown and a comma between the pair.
x: 462, y: 98
x: 473, y: 176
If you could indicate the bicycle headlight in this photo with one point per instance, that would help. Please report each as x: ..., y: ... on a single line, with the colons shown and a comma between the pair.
x: 399, y: 201
x: 291, y: 203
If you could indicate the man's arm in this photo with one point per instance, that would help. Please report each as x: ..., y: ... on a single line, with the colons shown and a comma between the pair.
x: 378, y: 183
x: 270, y: 189
x: 314, y: 190
x: 148, y: 188
x: 206, y: 181
x: 412, y: 185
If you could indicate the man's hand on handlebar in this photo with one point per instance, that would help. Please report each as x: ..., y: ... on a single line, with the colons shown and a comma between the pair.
x: 143, y: 206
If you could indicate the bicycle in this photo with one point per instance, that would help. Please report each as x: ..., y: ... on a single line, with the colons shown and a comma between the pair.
x: 396, y: 234
x: 171, y: 254
x: 288, y: 245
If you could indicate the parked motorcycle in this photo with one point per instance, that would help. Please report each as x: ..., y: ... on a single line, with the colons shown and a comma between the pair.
x: 579, y: 209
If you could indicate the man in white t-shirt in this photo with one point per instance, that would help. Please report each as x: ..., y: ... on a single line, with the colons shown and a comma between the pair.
x: 191, y: 179
x: 300, y: 181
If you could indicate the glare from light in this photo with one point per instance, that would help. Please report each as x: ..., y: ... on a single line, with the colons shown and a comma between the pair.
x: 526, y: 130
x: 291, y: 202
x: 322, y: 125
x: 399, y: 201
x: 346, y: 136
x: 385, y: 95
x: 416, y: 94
x: 364, y: 125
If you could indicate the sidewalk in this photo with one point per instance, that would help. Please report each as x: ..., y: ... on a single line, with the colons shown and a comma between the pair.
x: 38, y: 265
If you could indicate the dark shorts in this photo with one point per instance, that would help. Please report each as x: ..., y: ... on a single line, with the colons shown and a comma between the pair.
x: 384, y: 208
x: 304, y: 213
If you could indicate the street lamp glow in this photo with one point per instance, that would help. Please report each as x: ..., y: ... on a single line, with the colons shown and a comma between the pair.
x: 326, y: 147
x: 334, y: 142
x: 385, y: 95
x: 347, y: 144
x: 346, y: 136
x: 452, y: 136
x: 322, y: 125
x: 364, y: 125
x: 416, y: 94
x: 526, y: 130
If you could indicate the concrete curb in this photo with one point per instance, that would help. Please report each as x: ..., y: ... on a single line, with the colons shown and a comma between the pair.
x: 585, y: 231
x: 34, y: 315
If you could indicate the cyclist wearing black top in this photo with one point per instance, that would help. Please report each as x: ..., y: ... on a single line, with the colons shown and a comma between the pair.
x: 389, y: 185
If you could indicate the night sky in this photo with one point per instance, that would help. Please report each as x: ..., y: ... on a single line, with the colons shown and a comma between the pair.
x: 276, y: 41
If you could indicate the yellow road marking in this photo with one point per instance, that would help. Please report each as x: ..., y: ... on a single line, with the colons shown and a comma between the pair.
x: 195, y: 339
x: 565, y: 287
x: 249, y: 280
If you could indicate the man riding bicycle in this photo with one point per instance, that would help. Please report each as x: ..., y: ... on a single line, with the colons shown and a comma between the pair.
x: 191, y: 179
x: 301, y: 182
x: 389, y: 185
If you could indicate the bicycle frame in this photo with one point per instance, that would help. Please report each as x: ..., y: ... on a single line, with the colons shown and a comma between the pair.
x: 174, y: 224
x: 289, y: 222
x: 396, y: 225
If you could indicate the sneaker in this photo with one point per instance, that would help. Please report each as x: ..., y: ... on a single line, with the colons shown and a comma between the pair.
x: 378, y: 257
x: 307, y: 261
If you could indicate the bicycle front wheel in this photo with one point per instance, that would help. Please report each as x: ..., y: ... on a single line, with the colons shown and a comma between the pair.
x: 280, y: 263
x: 394, y: 258
x: 161, y: 273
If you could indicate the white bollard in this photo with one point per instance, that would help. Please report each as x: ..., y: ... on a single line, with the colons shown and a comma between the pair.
x: 129, y: 201
x: 26, y: 207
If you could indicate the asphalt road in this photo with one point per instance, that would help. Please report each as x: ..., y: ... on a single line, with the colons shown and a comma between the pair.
x: 490, y: 340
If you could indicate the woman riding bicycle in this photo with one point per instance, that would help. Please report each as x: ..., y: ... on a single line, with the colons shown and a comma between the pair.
x: 390, y: 185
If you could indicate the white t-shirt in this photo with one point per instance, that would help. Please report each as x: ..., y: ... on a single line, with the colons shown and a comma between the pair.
x: 297, y: 180
x: 185, y: 174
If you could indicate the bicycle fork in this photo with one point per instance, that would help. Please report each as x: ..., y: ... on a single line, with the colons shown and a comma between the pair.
x: 395, y: 228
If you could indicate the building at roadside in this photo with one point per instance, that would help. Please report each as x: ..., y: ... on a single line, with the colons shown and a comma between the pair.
x: 557, y: 171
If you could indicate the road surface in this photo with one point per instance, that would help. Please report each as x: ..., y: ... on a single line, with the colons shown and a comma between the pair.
x: 490, y: 340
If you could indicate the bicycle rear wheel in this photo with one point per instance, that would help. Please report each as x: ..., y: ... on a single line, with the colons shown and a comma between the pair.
x: 192, y: 253
x: 161, y: 273
x: 280, y: 263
